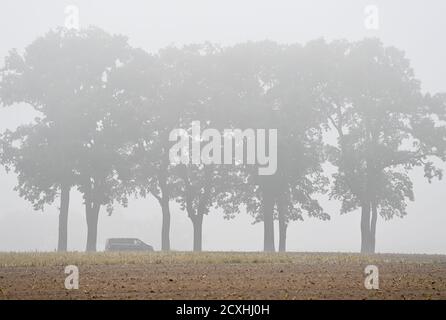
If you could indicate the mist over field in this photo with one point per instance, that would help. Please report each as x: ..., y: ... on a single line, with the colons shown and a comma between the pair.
x: 415, y: 27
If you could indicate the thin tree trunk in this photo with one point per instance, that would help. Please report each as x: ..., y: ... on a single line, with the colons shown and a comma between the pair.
x: 165, y: 231
x: 92, y: 211
x: 365, y: 227
x: 63, y: 217
x: 197, y: 222
x: 373, y: 228
x: 281, y: 208
x: 282, y: 236
x: 268, y: 223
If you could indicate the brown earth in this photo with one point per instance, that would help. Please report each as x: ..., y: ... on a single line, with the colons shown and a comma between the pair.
x: 221, y: 276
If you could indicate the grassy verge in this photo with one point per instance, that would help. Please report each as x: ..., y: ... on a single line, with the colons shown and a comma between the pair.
x: 42, y: 259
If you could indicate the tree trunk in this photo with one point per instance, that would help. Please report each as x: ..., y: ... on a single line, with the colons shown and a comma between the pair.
x: 197, y: 222
x: 63, y: 217
x: 268, y: 223
x: 373, y: 228
x: 365, y: 227
x: 165, y: 231
x: 92, y: 211
x: 283, y: 224
x: 282, y: 236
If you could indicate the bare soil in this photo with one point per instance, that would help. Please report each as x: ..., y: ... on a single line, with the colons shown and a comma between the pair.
x: 222, y: 276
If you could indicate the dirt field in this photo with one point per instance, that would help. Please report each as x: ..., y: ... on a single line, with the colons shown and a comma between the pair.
x: 221, y: 276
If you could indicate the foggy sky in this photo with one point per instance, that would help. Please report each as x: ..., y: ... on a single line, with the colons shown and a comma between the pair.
x: 415, y: 26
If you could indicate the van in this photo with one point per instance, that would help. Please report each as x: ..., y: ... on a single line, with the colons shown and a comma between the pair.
x: 126, y: 244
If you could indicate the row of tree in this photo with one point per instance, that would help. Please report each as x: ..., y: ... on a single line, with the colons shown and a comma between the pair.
x: 106, y: 111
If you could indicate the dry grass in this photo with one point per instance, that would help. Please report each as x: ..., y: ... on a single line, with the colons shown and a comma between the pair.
x: 41, y: 259
x: 123, y: 258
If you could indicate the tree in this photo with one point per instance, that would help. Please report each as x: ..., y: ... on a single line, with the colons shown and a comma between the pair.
x: 299, y: 115
x: 278, y: 91
x: 246, y: 78
x: 63, y: 76
x: 44, y: 172
x: 197, y: 185
x: 159, y: 87
x: 146, y: 89
x: 386, y: 126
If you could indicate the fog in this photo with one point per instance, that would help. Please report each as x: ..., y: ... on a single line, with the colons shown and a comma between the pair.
x: 416, y: 27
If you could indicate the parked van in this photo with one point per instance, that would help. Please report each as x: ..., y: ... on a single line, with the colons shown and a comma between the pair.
x: 126, y: 244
